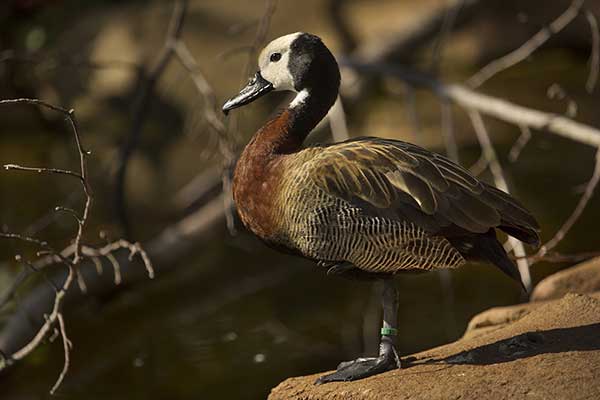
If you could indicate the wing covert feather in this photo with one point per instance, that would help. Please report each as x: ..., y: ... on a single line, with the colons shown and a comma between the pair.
x: 383, y: 173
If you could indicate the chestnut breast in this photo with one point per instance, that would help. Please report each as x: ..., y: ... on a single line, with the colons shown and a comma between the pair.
x: 258, y: 175
x: 255, y: 188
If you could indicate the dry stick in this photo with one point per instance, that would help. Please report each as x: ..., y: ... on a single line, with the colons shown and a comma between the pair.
x: 489, y: 105
x: 82, y: 175
x: 343, y: 28
x: 500, y: 181
x: 479, y: 166
x: 448, y: 131
x: 450, y: 16
x: 528, y: 47
x: 56, y: 311
x: 141, y: 105
x: 56, y: 61
x: 447, y: 124
x: 71, y: 265
x: 77, y: 247
x: 67, y: 346
x: 225, y: 141
x: 595, y: 54
x: 559, y: 257
x: 95, y: 253
x: 517, y: 148
x: 410, y: 99
x: 40, y: 170
x: 581, y: 205
x: 165, y: 249
x: 408, y: 44
x: 261, y: 34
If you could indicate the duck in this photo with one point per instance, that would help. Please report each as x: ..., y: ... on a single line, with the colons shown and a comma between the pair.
x: 367, y: 207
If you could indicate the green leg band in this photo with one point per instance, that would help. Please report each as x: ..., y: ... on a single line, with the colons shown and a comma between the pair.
x: 389, y: 331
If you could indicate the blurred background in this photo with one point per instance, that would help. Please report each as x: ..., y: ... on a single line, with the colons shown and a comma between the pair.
x: 225, y: 316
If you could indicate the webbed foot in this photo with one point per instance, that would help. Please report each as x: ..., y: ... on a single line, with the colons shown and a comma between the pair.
x: 363, y: 367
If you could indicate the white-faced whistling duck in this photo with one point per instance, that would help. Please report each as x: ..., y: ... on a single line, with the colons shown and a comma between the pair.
x: 365, y: 207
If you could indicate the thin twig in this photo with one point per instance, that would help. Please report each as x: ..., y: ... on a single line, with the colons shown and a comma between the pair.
x: 500, y: 181
x: 40, y: 170
x: 581, y: 205
x: 412, y: 113
x: 595, y: 53
x: 53, y: 257
x: 489, y: 105
x: 517, y: 148
x: 67, y: 346
x: 556, y: 257
x: 261, y: 36
x: 479, y: 166
x: 141, y: 106
x: 82, y: 175
x: 225, y: 140
x: 527, y: 48
x: 50, y: 320
x: 448, y: 131
x: 450, y: 16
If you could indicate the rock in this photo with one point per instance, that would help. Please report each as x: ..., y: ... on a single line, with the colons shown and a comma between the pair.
x: 582, y: 278
x: 551, y: 350
x: 497, y: 317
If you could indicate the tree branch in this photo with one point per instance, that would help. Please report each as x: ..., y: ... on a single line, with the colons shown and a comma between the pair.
x: 527, y: 48
x: 140, y: 108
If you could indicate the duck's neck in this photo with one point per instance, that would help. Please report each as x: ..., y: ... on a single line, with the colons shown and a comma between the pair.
x: 285, y: 133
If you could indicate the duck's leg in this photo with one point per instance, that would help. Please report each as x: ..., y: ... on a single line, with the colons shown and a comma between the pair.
x: 388, y: 356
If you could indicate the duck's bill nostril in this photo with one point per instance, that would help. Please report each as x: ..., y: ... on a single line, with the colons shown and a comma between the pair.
x: 256, y: 87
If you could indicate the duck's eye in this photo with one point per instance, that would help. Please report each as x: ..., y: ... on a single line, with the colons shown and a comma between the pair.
x: 275, y: 57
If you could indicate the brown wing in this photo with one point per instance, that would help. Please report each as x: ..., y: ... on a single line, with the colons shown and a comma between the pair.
x: 389, y: 176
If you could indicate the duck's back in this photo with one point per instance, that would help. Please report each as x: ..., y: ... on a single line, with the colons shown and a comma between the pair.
x: 387, y: 206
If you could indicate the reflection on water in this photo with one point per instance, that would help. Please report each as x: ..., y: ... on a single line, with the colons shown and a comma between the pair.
x: 238, y: 318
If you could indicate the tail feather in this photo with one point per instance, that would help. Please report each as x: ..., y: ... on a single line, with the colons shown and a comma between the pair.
x: 486, y: 248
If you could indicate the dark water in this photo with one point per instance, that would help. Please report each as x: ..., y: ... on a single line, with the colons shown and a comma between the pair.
x: 237, y: 318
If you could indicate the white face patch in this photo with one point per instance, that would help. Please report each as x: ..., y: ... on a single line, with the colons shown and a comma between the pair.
x: 300, y: 98
x: 277, y: 72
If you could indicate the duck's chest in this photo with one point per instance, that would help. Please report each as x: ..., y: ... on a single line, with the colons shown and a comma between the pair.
x: 256, y: 187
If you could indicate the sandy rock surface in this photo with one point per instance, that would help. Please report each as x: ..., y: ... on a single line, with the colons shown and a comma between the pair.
x: 582, y: 278
x: 548, y: 350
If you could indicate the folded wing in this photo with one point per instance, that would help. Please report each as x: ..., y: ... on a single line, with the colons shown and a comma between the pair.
x: 400, y: 180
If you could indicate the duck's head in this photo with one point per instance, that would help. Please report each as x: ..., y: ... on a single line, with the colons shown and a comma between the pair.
x: 298, y: 62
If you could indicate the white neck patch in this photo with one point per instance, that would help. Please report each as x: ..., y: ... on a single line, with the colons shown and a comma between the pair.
x: 300, y: 98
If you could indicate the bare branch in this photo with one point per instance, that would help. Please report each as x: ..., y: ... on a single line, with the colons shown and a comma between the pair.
x: 595, y: 53
x: 517, y: 148
x: 67, y: 345
x: 479, y: 166
x: 50, y: 320
x: 141, y: 104
x: 40, y: 170
x: 450, y: 16
x: 134, y: 249
x: 581, y: 205
x: 500, y: 181
x: 528, y: 47
x: 560, y: 257
x: 448, y: 131
x: 402, y: 46
x: 495, y: 107
x: 261, y: 35
x: 52, y: 257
